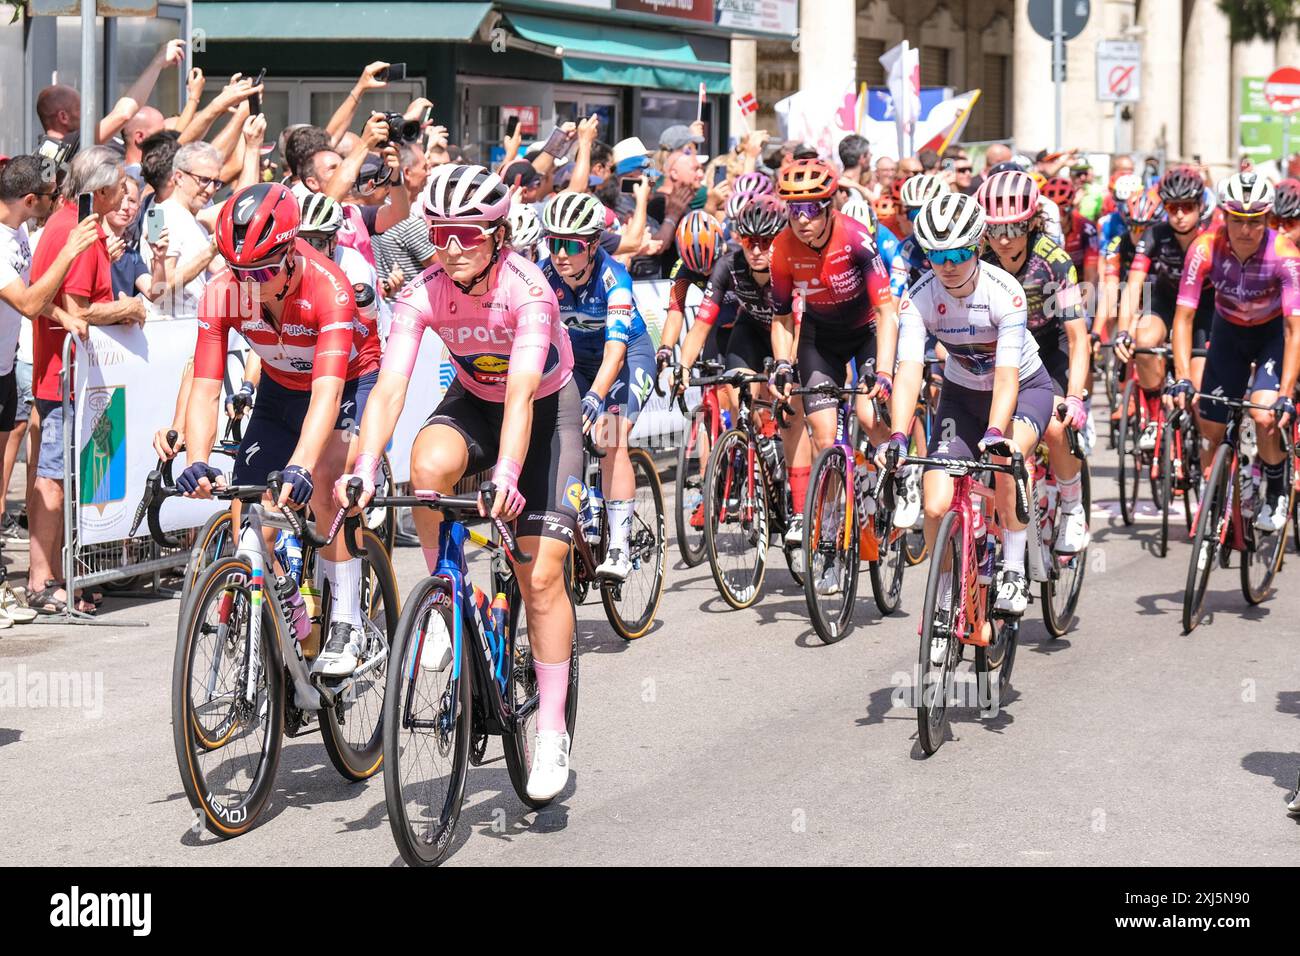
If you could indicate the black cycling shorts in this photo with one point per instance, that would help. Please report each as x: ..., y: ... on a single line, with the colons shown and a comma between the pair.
x: 827, y: 359
x: 963, y: 415
x: 1054, y: 350
x: 750, y: 345
x: 716, y: 345
x: 1227, y: 366
x: 1164, y: 304
x: 551, y: 478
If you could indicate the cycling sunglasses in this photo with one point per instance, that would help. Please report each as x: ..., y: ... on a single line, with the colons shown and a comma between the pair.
x: 258, y: 273
x: 323, y: 244
x: 566, y: 245
x: 807, y: 208
x: 761, y: 243
x: 467, y: 235
x: 944, y: 257
x: 1010, y: 230
x: 1181, y: 207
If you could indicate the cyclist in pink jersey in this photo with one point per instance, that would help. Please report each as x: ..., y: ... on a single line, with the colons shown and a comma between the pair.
x: 1255, y: 272
x: 513, y: 406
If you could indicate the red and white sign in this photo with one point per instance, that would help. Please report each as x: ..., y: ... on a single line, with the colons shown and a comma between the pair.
x: 1119, y: 71
x: 528, y: 118
x: 1282, y: 90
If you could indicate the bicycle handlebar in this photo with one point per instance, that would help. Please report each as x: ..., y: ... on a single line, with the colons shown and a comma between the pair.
x: 1072, y: 437
x: 455, y: 507
x: 1015, y: 468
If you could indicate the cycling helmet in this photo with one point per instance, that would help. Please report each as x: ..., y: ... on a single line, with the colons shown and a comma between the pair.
x: 918, y: 190
x: 1144, y: 208
x: 952, y: 221
x: 1060, y: 191
x: 807, y: 179
x: 762, y: 216
x: 757, y: 183
x: 1008, y: 197
x: 1182, y: 184
x: 856, y: 207
x: 573, y: 214
x: 1286, y: 200
x: 699, y: 240
x: 525, y: 227
x: 1007, y: 167
x: 737, y: 202
x: 885, y: 207
x: 456, y: 192
x: 1126, y: 187
x: 321, y: 214
x: 257, y: 225
x: 1246, y: 194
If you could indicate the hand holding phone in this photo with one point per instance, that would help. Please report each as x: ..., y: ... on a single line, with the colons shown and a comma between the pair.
x: 85, y: 205
x: 512, y: 124
x: 255, y: 101
x: 558, y: 143
x: 154, y: 223
x: 394, y: 71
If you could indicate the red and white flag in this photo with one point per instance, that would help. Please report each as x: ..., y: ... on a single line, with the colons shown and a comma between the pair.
x: 946, y: 122
x: 747, y: 105
x: 699, y: 104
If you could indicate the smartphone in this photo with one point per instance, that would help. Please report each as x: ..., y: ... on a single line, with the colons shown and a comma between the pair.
x: 512, y: 124
x: 558, y: 143
x: 394, y: 71
x: 719, y: 173
x: 629, y: 184
x: 428, y: 116
x: 85, y: 205
x: 255, y: 101
x: 948, y: 164
x: 154, y: 223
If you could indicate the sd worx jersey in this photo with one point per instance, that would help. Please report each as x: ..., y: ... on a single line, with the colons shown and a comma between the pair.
x: 515, y: 325
x: 320, y: 332
x: 1253, y: 292
x: 841, y: 284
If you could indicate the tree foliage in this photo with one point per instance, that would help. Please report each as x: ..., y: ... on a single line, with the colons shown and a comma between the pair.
x: 1260, y: 19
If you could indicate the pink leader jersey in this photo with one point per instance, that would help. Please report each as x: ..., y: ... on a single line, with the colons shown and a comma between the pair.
x: 1253, y: 292
x: 514, y: 327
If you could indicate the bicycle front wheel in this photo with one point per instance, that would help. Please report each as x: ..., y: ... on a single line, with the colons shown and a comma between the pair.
x: 940, y: 649
x: 830, y: 545
x: 887, y: 572
x: 213, y: 541
x: 1206, y: 541
x: 426, y: 728
x: 1130, y: 455
x: 228, y: 699
x: 631, y: 604
x: 692, y: 453
x: 735, y: 519
x: 1164, y: 487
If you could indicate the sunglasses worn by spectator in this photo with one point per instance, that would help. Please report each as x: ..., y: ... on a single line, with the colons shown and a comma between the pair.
x: 566, y: 245
x: 367, y: 186
x: 467, y: 235
x: 963, y: 169
x: 943, y: 257
x: 807, y: 208
x: 1010, y: 230
x: 760, y: 243
x: 205, y: 182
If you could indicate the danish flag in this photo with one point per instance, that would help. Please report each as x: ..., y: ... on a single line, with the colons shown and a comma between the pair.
x: 747, y: 105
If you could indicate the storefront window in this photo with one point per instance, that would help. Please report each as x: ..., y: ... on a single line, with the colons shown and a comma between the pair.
x: 13, y: 96
x: 662, y: 110
x: 138, y: 39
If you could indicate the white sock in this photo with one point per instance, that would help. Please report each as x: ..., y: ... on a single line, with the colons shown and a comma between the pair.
x: 1071, y: 491
x: 1013, y: 549
x: 345, y: 589
x: 620, y: 522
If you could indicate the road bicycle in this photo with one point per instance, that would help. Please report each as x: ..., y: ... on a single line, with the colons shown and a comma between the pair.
x: 845, y: 523
x: 958, y: 603
x: 1063, y: 582
x: 704, y: 424
x: 242, y: 681
x: 920, y: 437
x: 1224, y: 522
x: 437, y: 719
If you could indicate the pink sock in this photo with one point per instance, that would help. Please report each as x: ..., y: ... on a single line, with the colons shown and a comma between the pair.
x: 431, y: 558
x: 553, y: 691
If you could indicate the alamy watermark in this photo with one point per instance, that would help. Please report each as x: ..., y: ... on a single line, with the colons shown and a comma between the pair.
x: 37, y: 689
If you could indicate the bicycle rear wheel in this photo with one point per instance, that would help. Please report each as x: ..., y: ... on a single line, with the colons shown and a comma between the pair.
x: 735, y: 519
x: 689, y: 511
x: 426, y: 728
x: 1205, y: 543
x: 1262, y: 558
x: 353, y: 729
x: 1130, y: 456
x: 227, y: 746
x: 631, y: 605
x: 887, y: 573
x: 830, y: 535
x: 1164, y: 488
x: 943, y: 595
x: 1061, y: 593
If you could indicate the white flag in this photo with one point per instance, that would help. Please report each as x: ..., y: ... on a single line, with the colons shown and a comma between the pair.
x: 903, y: 74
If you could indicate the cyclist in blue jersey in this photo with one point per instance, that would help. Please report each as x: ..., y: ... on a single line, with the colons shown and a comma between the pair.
x: 613, y: 357
x: 910, y: 263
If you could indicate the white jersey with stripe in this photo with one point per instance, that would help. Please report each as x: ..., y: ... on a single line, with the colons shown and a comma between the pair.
x: 983, y: 331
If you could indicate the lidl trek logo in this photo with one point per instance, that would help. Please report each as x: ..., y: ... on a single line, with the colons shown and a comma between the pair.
x: 103, y: 456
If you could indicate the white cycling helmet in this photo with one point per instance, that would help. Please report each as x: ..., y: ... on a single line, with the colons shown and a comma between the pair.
x: 918, y: 190
x: 1126, y: 187
x: 856, y: 207
x: 525, y: 227
x: 1246, y: 194
x: 456, y: 192
x: 573, y: 214
x: 320, y: 214
x: 953, y: 221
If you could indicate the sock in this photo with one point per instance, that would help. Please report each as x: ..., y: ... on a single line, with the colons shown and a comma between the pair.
x: 1152, y: 399
x: 345, y: 589
x: 1071, y: 491
x: 799, y: 487
x: 552, y: 693
x: 1273, y: 475
x: 620, y: 522
x: 430, y: 557
x: 1013, y: 550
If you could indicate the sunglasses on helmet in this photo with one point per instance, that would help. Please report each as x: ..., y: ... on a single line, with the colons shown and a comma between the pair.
x: 467, y: 235
x: 943, y: 257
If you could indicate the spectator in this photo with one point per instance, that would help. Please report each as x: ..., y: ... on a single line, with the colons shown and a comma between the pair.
x: 403, y: 251
x: 233, y: 96
x: 130, y: 274
x: 680, y: 191
x: 157, y: 155
x: 855, y: 157
x: 524, y: 175
x: 929, y: 160
x: 139, y: 128
x: 195, y: 178
x: 364, y: 222
x: 84, y: 298
x: 908, y: 167
x: 805, y: 151
x: 963, y: 173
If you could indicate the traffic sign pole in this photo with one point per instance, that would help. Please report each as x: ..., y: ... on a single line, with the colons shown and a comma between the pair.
x: 1058, y: 58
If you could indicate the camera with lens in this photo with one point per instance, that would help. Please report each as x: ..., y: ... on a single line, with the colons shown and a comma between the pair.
x: 401, y: 130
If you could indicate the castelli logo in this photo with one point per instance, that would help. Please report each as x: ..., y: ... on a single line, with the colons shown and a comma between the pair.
x: 534, y: 291
x: 1017, y: 301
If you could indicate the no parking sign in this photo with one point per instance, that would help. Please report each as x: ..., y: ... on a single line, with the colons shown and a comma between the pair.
x: 1119, y: 71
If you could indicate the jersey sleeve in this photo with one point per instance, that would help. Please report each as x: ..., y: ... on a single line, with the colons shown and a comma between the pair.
x: 1111, y: 257
x: 714, y: 293
x: 535, y: 323
x: 1012, y: 322
x: 1067, y: 299
x: 782, y: 281
x: 677, y: 291
x: 334, y: 341
x: 220, y: 300
x: 619, y: 305
x: 900, y: 269
x: 911, y: 330
x: 1195, y: 268
x: 1288, y: 257
x: 1144, y: 252
x: 406, y: 329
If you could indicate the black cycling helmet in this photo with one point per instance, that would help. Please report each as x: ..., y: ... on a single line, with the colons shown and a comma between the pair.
x: 1182, y: 184
x: 1286, y: 200
x: 761, y: 217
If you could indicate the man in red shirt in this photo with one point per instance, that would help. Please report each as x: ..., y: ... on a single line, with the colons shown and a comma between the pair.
x: 85, y: 298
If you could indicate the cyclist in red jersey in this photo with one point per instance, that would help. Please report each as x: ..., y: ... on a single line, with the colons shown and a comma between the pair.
x: 319, y: 359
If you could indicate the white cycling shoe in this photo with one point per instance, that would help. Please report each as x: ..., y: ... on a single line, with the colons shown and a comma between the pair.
x: 907, y: 510
x: 1073, y: 536
x: 1272, y: 514
x: 616, y: 566
x: 794, y: 534
x: 342, y: 651
x: 1013, y: 593
x: 828, y: 584
x: 550, y: 771
x: 1147, y: 440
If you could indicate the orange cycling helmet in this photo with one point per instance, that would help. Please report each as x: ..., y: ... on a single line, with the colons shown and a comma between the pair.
x: 699, y: 241
x: 1059, y: 191
x: 1144, y: 208
x: 806, y: 179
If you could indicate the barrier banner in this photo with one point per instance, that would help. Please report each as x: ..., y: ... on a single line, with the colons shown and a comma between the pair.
x: 432, y: 375
x: 660, y: 424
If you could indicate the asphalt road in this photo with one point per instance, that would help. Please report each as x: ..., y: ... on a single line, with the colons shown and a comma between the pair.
x: 736, y: 737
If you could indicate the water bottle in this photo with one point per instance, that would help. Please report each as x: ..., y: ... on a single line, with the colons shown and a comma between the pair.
x: 497, y: 613
x: 294, y: 607
x: 293, y: 557
x: 597, y: 504
x: 983, y: 546
x: 771, y: 456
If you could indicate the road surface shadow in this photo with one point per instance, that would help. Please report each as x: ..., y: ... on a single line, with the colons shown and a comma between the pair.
x: 1282, y: 768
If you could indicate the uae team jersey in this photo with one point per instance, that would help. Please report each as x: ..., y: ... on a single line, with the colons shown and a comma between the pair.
x: 840, y: 285
x: 982, y: 332
x: 320, y: 332
x: 1253, y: 292
x: 515, y: 326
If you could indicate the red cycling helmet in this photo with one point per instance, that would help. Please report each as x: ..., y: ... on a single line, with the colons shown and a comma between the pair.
x: 1008, y: 197
x: 699, y: 241
x: 257, y: 225
x: 1060, y: 191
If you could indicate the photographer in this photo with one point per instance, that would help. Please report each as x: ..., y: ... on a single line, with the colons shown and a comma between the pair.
x: 364, y: 222
x: 404, y: 251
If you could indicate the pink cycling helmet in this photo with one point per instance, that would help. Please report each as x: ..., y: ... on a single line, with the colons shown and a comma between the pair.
x: 1008, y: 197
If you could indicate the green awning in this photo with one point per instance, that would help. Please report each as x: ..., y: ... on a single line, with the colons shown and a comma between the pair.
x: 367, y: 20
x: 622, y: 56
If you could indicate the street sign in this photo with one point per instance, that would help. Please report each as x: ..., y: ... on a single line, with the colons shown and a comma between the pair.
x: 1119, y: 71
x: 1282, y: 90
x: 1074, y: 17
x: 1261, y: 128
